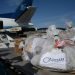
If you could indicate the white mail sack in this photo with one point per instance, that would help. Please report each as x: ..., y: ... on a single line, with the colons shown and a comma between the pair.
x: 37, y: 42
x: 54, y: 59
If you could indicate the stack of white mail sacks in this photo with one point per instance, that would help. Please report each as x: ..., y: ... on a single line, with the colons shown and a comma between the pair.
x: 54, y: 50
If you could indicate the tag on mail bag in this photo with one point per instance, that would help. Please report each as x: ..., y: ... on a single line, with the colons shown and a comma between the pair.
x: 54, y: 59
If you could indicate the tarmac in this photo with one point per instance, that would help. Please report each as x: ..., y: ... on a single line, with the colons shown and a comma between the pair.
x: 16, y: 60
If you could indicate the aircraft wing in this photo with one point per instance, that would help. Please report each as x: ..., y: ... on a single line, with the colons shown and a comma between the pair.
x: 26, y: 16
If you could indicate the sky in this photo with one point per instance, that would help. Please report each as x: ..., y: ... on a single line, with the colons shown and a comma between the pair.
x: 7, y: 6
x: 53, y: 12
x: 48, y: 11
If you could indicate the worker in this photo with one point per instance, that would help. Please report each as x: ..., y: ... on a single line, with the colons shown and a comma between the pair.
x: 17, y: 43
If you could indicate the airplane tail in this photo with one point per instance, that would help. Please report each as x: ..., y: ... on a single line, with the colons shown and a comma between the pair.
x: 21, y: 8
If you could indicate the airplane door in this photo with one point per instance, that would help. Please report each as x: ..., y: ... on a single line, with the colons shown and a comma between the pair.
x: 1, y: 24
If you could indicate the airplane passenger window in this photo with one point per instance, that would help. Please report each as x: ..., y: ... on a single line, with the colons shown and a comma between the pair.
x: 1, y: 24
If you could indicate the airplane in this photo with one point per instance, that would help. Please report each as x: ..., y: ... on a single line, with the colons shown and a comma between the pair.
x: 20, y: 20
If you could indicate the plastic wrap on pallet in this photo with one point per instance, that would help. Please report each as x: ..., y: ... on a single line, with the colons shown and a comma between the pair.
x: 45, y: 52
x: 33, y: 46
